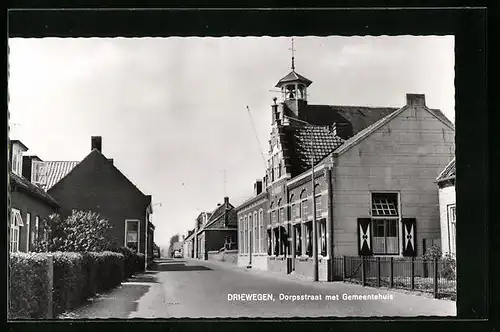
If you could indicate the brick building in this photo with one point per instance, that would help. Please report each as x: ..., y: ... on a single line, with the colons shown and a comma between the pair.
x: 373, y: 182
x: 30, y: 204
x: 447, y: 208
x: 96, y: 184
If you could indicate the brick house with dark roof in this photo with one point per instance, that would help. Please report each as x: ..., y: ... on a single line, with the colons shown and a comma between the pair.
x: 96, y: 184
x: 374, y: 168
x: 219, y: 230
x: 447, y: 207
x: 30, y: 204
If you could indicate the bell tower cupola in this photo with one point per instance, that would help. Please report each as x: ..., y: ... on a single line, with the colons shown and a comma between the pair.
x: 294, y: 88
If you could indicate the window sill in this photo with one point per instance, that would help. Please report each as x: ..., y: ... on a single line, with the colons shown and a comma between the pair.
x: 272, y: 257
x: 303, y: 258
x: 280, y: 258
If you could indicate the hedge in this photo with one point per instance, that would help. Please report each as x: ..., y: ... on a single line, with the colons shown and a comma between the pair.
x: 76, y: 277
x: 28, y: 285
x: 133, y: 262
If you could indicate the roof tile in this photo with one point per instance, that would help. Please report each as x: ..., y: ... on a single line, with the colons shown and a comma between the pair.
x: 449, y: 172
x: 56, y: 170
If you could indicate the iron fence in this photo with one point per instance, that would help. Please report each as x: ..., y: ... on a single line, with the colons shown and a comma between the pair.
x: 437, y: 276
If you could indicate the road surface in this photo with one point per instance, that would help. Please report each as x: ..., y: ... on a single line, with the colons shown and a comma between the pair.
x: 205, y: 289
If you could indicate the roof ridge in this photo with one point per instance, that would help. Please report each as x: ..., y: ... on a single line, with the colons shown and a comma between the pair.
x: 357, y: 106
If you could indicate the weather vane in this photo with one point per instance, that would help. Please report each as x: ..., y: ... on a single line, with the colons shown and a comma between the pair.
x: 293, y: 56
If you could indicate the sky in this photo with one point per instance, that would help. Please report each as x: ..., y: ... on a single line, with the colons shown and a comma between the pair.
x: 172, y: 112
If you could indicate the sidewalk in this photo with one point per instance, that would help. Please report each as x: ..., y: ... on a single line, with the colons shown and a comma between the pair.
x: 327, y: 285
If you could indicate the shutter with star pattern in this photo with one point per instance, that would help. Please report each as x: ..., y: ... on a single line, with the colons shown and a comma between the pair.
x: 364, y: 237
x: 409, y: 237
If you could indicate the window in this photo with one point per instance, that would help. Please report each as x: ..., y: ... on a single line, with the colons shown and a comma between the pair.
x: 318, y: 205
x: 279, y: 170
x: 255, y: 233
x: 245, y: 232
x: 16, y: 221
x: 132, y: 234
x: 17, y: 160
x: 250, y: 235
x: 273, y: 217
x: 304, y: 209
x: 385, y: 221
x: 240, y: 235
x: 276, y: 242
x: 28, y: 221
x: 37, y: 224
x: 308, y: 228
x: 298, y: 240
x: 282, y: 214
x: 261, y: 231
x: 38, y: 172
x: 269, y: 242
x: 452, y: 218
x: 322, y: 237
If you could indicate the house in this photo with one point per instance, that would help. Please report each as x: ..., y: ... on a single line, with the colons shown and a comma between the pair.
x: 188, y: 245
x: 218, y: 230
x: 96, y: 184
x: 252, y: 229
x: 447, y: 208
x: 30, y: 204
x: 373, y: 186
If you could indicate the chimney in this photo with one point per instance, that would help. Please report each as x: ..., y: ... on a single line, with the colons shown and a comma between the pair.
x: 257, y: 187
x: 218, y: 204
x: 413, y: 99
x: 96, y: 143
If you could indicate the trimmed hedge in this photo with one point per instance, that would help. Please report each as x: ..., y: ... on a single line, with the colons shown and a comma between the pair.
x: 76, y: 277
x: 133, y: 262
x: 28, y: 286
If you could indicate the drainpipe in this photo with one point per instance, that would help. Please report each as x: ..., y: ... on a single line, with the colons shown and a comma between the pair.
x: 329, y: 225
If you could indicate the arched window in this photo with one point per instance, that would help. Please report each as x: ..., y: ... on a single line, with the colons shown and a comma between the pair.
x: 303, y: 204
x: 318, y: 197
x: 291, y: 211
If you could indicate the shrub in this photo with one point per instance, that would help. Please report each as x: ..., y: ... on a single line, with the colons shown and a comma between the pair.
x: 82, y: 231
x: 28, y: 286
x: 133, y: 262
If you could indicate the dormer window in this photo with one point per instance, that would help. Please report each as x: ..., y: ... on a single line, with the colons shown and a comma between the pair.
x: 17, y: 157
x: 38, y: 172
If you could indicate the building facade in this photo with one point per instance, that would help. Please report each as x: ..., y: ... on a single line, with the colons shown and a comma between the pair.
x: 373, y: 186
x: 447, y: 208
x: 30, y: 204
x: 96, y: 184
x: 217, y: 230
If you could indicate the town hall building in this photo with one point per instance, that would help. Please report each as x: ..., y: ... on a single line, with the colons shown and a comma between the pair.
x: 374, y: 190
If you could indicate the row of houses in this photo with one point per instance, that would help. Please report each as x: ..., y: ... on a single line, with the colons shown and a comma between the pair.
x: 382, y: 185
x: 39, y: 188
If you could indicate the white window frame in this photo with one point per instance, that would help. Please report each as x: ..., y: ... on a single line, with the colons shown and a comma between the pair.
x: 255, y: 233
x: 398, y: 219
x: 37, y: 172
x: 261, y: 231
x: 28, y: 231
x: 452, y: 227
x: 245, y: 232
x: 138, y: 232
x: 17, y: 160
x: 16, y: 221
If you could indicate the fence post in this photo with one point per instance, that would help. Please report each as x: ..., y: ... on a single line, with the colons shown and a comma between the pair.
x: 50, y: 274
x: 378, y: 271
x: 363, y: 277
x: 412, y: 271
x: 391, y: 273
x: 344, y: 265
x: 435, y: 277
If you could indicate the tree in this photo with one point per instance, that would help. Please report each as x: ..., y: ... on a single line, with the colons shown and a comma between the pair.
x: 82, y: 231
x: 173, y: 239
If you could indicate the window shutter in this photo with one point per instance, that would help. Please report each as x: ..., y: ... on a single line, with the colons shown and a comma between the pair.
x: 409, y: 237
x: 364, y: 237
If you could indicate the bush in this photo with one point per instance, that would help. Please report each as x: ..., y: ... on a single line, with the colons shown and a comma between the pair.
x: 76, y: 277
x: 28, y: 286
x: 80, y: 276
x: 133, y: 262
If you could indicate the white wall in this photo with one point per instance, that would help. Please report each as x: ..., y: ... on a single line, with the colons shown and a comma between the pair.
x: 446, y: 198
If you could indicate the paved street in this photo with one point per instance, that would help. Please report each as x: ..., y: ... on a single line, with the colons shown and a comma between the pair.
x: 188, y: 288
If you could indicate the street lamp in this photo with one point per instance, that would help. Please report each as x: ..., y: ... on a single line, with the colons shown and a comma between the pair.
x: 314, y: 225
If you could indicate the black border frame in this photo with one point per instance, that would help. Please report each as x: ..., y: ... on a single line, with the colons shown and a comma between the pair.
x: 475, y: 303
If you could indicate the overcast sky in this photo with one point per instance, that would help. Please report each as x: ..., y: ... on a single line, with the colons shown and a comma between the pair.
x: 172, y: 111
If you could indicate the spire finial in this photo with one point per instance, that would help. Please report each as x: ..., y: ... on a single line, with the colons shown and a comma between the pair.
x: 293, y: 56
